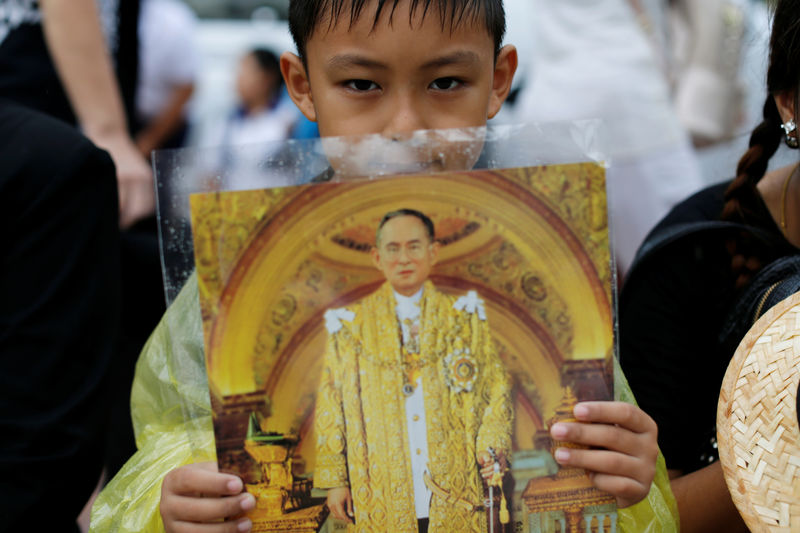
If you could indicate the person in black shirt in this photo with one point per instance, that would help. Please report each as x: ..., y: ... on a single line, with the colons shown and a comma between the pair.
x: 688, y: 276
x: 56, y: 58
x: 59, y: 300
x: 76, y: 60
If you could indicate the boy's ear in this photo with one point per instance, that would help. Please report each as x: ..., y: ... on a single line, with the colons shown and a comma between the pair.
x: 296, y: 78
x: 504, y: 68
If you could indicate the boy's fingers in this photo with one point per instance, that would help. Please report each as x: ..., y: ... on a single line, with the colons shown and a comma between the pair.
x: 195, y: 479
x: 602, y: 436
x: 211, y: 466
x: 627, y: 491
x: 603, y: 462
x: 189, y: 509
x: 627, y: 478
x: 620, y: 413
x: 235, y: 526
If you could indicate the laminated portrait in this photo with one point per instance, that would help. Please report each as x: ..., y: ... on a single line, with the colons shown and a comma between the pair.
x: 404, y: 338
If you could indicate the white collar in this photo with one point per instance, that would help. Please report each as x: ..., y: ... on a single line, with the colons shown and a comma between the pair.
x: 408, y: 306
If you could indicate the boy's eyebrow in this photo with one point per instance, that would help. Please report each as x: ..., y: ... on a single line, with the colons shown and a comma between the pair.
x: 354, y: 60
x: 458, y: 57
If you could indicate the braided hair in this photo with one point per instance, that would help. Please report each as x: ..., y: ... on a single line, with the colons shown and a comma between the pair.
x: 742, y: 197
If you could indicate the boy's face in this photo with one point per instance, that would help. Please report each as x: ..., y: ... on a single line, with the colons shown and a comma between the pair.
x: 396, y: 78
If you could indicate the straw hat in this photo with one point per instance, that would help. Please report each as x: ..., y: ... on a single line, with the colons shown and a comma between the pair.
x: 757, y: 424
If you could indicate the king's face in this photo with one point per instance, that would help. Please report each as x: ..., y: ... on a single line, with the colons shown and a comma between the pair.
x: 405, y: 254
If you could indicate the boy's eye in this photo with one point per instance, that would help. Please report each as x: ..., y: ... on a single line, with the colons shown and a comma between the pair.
x: 361, y: 85
x: 445, y: 84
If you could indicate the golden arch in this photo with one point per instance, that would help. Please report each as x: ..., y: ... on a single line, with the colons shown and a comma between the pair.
x: 546, y: 293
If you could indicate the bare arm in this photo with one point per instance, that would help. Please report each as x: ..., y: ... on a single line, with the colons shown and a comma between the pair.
x: 704, y: 502
x: 165, y: 123
x: 75, y: 41
x: 76, y: 44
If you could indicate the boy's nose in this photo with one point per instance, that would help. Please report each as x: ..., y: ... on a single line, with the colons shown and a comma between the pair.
x: 405, y: 118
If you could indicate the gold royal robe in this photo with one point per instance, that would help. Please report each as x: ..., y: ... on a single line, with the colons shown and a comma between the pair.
x: 362, y: 439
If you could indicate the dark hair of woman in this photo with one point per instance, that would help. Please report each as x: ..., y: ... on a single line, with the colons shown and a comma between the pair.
x: 783, y: 76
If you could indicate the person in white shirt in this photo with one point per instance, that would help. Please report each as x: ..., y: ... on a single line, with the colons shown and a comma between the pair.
x: 263, y: 115
x: 168, y: 65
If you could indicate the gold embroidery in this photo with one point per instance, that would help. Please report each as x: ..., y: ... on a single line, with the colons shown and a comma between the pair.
x: 360, y: 414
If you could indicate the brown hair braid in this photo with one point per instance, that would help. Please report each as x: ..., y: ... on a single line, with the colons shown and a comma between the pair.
x: 742, y: 197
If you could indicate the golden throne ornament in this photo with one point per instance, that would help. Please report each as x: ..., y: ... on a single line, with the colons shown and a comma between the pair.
x: 283, y: 498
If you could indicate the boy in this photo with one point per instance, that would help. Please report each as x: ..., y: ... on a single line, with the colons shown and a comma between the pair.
x: 392, y: 67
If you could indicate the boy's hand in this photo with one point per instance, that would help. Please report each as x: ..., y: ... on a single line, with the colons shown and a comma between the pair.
x: 341, y: 504
x: 626, y: 465
x: 198, y: 498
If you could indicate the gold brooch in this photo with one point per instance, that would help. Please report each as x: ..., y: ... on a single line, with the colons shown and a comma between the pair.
x: 462, y: 370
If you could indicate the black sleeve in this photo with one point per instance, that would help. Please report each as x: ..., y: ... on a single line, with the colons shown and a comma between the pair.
x: 59, y: 307
x: 670, y: 313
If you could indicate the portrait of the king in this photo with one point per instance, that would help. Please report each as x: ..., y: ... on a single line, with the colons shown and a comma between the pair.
x: 414, y: 405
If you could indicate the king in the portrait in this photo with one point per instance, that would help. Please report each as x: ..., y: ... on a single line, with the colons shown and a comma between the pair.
x: 414, y: 404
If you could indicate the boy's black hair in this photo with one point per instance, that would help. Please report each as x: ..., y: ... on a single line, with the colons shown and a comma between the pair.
x: 306, y: 15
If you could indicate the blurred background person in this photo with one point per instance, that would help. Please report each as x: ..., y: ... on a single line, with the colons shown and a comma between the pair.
x: 59, y: 313
x: 593, y: 60
x: 712, y: 52
x: 263, y: 111
x: 168, y: 64
x: 77, y: 61
x: 679, y: 84
x: 60, y: 57
x: 699, y: 45
x: 62, y: 208
x: 263, y: 114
